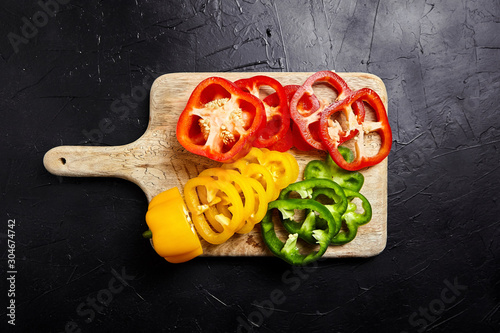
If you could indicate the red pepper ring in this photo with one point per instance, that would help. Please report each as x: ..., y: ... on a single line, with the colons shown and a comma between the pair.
x: 307, y: 116
x: 292, y: 138
x: 381, y: 126
x: 220, y: 121
x: 288, y: 140
x: 277, y: 114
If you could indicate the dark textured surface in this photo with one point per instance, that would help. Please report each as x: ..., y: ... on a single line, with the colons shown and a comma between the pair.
x: 441, y: 64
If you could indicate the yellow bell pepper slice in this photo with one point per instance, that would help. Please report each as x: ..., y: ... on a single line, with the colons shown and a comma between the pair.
x: 282, y: 166
x: 263, y: 176
x: 260, y: 204
x: 253, y: 156
x: 198, y: 210
x: 173, y: 236
x: 240, y: 183
x: 251, y: 191
x: 279, y: 166
x: 294, y: 168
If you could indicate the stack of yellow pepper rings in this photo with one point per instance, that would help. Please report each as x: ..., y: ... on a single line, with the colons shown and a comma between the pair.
x: 233, y: 198
x: 226, y: 200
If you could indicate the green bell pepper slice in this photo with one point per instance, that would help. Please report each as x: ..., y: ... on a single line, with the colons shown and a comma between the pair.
x: 328, y: 169
x: 317, y: 188
x: 317, y: 169
x: 351, y: 219
x: 289, y: 251
x: 352, y: 180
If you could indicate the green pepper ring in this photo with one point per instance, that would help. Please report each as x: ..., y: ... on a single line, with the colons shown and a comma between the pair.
x: 288, y: 251
x: 313, y: 188
x: 352, y: 219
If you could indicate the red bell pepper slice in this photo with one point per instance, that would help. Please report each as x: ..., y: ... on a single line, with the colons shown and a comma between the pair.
x: 333, y: 135
x: 287, y: 142
x: 306, y: 115
x: 312, y: 103
x: 292, y: 138
x: 284, y: 144
x: 220, y: 121
x: 277, y: 114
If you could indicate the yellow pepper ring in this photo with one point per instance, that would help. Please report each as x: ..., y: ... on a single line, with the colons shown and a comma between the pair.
x: 263, y: 176
x: 173, y: 235
x: 254, y: 155
x: 241, y: 186
x: 294, y: 168
x: 261, y: 204
x: 211, y: 210
x: 260, y: 194
x: 230, y: 225
x: 279, y: 166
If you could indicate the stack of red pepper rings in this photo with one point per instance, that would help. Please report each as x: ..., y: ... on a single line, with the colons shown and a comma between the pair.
x: 320, y: 131
x: 224, y: 119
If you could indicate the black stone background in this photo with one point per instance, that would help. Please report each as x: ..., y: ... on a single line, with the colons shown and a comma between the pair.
x: 440, y: 62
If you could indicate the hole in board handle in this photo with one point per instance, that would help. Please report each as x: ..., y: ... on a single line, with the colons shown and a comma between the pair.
x: 63, y: 160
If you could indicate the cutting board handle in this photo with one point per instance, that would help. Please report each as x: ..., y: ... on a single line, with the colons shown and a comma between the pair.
x: 88, y: 161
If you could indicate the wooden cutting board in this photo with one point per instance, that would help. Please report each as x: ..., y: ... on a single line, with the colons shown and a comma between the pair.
x: 157, y: 162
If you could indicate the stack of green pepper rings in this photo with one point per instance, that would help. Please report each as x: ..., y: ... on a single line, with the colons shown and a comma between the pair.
x: 325, y: 197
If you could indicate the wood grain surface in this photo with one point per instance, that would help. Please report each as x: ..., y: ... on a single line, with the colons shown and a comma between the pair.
x: 157, y: 162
